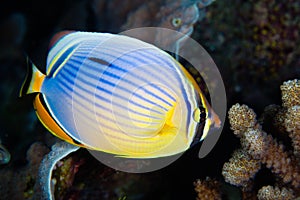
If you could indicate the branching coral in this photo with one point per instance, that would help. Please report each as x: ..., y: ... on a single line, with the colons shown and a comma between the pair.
x: 274, y: 193
x: 207, y: 189
x: 290, y: 92
x: 263, y: 150
x: 261, y: 147
x: 240, y: 168
x: 292, y: 124
x: 291, y: 103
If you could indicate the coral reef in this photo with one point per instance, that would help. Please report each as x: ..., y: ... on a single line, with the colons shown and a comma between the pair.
x: 254, y: 43
x: 207, y: 189
x: 274, y: 32
x: 240, y: 168
x: 291, y: 104
x: 18, y: 182
x: 42, y: 188
x: 261, y: 150
x: 65, y: 170
x: 274, y: 193
x: 263, y: 147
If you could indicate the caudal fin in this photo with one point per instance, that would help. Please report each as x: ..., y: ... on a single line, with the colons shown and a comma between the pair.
x: 33, y: 81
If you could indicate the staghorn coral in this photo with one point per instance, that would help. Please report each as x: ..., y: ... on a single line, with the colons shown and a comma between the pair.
x: 290, y: 93
x: 260, y: 149
x: 292, y: 124
x: 275, y: 193
x: 240, y: 168
x: 207, y: 189
x: 263, y: 146
x: 287, y: 117
x: 292, y: 120
x: 241, y: 118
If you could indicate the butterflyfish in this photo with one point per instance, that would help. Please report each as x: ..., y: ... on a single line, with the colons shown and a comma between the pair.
x: 119, y: 95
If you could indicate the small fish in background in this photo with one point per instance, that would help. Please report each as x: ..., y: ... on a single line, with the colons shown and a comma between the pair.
x: 119, y: 95
x: 180, y: 16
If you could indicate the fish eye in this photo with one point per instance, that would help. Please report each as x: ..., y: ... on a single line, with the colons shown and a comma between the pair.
x: 176, y: 22
x: 199, y: 114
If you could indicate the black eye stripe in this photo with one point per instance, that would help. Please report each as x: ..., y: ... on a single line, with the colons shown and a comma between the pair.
x: 202, y: 114
x: 202, y: 110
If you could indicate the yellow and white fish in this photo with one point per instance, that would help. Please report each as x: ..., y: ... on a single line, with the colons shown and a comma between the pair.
x: 118, y: 95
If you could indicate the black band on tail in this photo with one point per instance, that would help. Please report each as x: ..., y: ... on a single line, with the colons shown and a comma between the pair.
x: 28, y: 78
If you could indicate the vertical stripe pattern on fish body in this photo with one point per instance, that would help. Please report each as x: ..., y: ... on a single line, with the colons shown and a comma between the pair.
x: 119, y: 95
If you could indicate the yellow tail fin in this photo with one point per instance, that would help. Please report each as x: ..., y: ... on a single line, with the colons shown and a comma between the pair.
x: 33, y: 81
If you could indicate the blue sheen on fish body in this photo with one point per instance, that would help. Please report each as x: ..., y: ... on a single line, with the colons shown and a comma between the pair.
x: 118, y: 95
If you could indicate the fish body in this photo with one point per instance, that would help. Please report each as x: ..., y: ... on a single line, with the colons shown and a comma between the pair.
x: 118, y: 95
